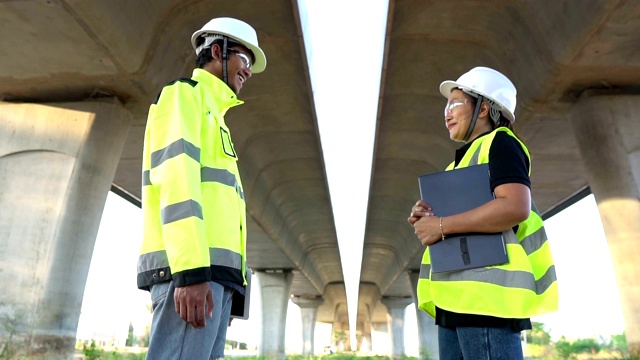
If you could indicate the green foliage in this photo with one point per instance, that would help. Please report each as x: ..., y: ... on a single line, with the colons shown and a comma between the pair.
x: 131, y: 338
x: 92, y: 352
x: 618, y: 342
x: 538, y: 335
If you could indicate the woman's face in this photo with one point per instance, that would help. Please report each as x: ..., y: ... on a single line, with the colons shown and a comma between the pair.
x: 457, y: 115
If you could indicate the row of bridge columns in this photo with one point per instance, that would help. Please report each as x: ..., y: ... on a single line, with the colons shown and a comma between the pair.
x: 57, y: 163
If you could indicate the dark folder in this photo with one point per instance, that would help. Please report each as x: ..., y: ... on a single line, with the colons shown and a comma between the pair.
x: 453, y: 192
x: 239, y: 302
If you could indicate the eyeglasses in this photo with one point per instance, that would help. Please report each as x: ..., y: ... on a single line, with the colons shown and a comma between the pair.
x: 454, y: 104
x: 245, y: 59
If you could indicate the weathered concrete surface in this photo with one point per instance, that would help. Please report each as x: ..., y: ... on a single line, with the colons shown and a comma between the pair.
x: 275, y: 290
x: 607, y: 129
x: 62, y: 50
x: 57, y: 163
x: 396, y: 308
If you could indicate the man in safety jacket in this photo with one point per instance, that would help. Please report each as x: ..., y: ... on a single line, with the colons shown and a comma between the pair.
x: 480, y: 312
x: 194, y: 243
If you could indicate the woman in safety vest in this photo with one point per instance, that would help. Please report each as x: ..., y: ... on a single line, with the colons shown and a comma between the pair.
x: 481, y: 312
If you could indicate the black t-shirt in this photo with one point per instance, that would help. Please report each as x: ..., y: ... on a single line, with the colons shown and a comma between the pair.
x: 508, y: 163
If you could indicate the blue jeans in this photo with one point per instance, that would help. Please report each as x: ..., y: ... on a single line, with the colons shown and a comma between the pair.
x: 171, y: 338
x: 476, y: 343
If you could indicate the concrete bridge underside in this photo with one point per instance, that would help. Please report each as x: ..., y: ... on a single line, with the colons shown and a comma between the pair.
x: 576, y: 66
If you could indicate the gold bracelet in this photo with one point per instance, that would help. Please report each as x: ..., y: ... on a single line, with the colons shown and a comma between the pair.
x: 441, y: 231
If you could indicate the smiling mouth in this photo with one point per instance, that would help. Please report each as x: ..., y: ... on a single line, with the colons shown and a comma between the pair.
x: 450, y: 125
x: 242, y: 79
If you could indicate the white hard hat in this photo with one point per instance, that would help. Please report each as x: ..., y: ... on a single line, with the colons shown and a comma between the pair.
x: 489, y: 83
x: 238, y: 31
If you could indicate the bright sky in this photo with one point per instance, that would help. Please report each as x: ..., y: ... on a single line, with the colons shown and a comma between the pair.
x: 577, y: 239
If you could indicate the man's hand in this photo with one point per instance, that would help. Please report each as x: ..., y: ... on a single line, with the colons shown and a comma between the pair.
x: 192, y: 302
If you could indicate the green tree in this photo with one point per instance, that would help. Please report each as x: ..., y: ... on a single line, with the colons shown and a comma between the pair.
x: 131, y: 338
x: 618, y: 342
x: 538, y: 335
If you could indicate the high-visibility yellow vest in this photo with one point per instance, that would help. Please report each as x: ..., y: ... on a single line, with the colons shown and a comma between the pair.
x: 524, y: 287
x: 192, y: 197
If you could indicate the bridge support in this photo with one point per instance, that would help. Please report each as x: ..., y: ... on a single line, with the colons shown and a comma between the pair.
x: 308, y: 315
x: 395, y: 321
x: 606, y: 128
x: 275, y: 289
x: 427, y: 328
x: 57, y: 162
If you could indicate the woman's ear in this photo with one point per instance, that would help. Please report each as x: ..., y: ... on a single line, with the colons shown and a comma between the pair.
x: 484, y: 110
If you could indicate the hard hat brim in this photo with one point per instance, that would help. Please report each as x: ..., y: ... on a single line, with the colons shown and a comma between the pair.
x: 446, y: 87
x: 260, y: 58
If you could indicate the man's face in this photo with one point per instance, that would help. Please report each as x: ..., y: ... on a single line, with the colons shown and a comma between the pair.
x: 238, y: 67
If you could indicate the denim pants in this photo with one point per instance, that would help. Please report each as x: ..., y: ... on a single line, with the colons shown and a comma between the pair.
x: 477, y: 343
x: 171, y: 338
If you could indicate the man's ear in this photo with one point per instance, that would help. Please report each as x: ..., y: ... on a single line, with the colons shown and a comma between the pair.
x: 216, y: 52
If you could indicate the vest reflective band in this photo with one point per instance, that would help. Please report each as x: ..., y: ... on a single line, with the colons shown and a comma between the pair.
x: 523, y: 288
x: 192, y: 197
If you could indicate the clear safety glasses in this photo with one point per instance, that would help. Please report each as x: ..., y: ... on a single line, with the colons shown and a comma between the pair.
x: 244, y: 57
x: 454, y: 104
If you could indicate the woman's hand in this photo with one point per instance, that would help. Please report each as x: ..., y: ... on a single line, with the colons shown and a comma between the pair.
x: 419, y: 210
x: 427, y: 229
x: 425, y: 224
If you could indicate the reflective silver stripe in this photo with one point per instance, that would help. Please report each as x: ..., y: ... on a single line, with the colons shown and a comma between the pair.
x: 425, y: 269
x: 534, y: 241
x: 158, y: 259
x: 225, y: 257
x: 174, y: 149
x: 546, y: 280
x: 181, y: 210
x: 500, y: 277
x: 222, y: 176
x: 476, y: 155
x: 153, y: 260
x: 146, y: 178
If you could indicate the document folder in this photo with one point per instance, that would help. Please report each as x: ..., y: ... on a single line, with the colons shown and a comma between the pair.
x: 240, y: 303
x: 453, y: 192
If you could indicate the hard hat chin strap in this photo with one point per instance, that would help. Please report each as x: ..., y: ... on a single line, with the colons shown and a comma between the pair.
x: 474, y: 118
x: 225, y: 56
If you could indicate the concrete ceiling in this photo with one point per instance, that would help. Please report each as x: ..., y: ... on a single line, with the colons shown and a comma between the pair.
x: 70, y: 50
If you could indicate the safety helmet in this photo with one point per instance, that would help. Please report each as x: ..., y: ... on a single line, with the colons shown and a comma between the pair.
x: 238, y: 31
x: 489, y: 83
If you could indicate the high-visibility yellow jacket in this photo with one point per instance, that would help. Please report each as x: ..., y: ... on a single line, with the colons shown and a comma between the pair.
x: 192, y: 198
x: 524, y: 287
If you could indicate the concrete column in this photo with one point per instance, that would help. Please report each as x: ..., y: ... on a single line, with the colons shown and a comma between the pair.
x: 427, y: 328
x: 275, y: 290
x: 395, y: 320
x: 57, y: 162
x: 607, y: 130
x: 308, y: 315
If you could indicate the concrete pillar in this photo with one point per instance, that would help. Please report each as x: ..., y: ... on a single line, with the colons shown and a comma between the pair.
x: 57, y: 162
x: 395, y: 320
x: 275, y: 290
x: 427, y: 328
x: 308, y: 315
x: 607, y: 130
x: 340, y: 336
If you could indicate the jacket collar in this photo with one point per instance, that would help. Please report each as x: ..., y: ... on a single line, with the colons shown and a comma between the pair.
x: 224, y: 97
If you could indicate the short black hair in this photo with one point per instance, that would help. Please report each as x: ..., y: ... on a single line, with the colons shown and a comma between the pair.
x: 205, y: 54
